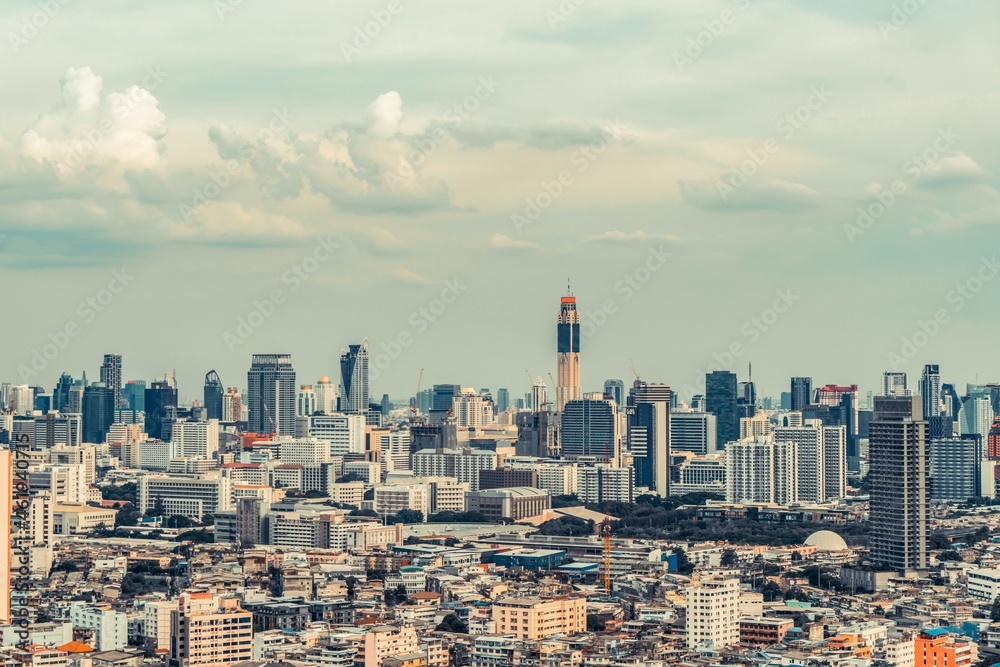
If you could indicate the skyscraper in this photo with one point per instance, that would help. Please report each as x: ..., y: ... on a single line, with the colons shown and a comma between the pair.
x: 271, y: 394
x: 213, y: 396
x: 649, y: 436
x: 568, y: 353
x: 720, y: 400
x: 930, y: 390
x: 894, y: 384
x: 98, y: 412
x: 898, y: 473
x: 60, y: 395
x: 801, y: 392
x: 590, y: 428
x: 159, y: 398
x: 503, y: 399
x: 134, y: 394
x: 111, y: 376
x: 616, y: 390
x: 326, y: 395
x: 354, y: 395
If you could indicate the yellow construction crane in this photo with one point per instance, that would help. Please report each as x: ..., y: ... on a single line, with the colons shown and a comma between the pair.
x: 416, y: 397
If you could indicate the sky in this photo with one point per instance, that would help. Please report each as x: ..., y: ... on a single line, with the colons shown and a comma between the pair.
x: 808, y: 186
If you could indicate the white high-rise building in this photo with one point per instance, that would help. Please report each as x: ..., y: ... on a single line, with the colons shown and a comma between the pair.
x: 67, y: 483
x: 834, y: 462
x: 22, y: 399
x: 196, y: 439
x: 232, y: 406
x: 193, y: 497
x: 110, y: 627
x: 811, y: 458
x: 602, y: 483
x: 306, y: 401
x: 470, y: 408
x: 762, y: 471
x: 894, y: 384
x: 462, y: 464
x: 392, y: 498
x: 713, y: 613
x: 345, y: 433
x: 758, y: 426
x: 326, y: 395
x: 302, y: 450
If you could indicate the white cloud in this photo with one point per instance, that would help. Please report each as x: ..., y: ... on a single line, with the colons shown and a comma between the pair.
x: 638, y: 236
x: 110, y: 134
x: 504, y: 242
x: 408, y: 276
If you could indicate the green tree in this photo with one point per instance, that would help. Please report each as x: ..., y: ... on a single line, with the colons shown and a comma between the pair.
x: 995, y: 610
x: 729, y: 558
x: 452, y: 623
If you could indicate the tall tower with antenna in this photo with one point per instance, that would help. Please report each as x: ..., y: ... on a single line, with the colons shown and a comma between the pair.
x: 568, y: 351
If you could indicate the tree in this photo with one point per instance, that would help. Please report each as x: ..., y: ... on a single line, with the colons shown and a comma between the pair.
x: 352, y: 587
x: 796, y: 556
x: 565, y: 500
x: 452, y: 623
x: 208, y: 520
x: 349, y: 477
x: 409, y: 516
x: 995, y: 610
x: 567, y: 526
x: 729, y: 558
x: 684, y: 565
x: 771, y: 592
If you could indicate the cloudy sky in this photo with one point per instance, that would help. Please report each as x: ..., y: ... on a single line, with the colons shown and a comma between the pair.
x: 187, y: 183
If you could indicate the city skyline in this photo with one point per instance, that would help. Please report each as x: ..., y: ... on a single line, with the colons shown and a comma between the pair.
x: 650, y: 153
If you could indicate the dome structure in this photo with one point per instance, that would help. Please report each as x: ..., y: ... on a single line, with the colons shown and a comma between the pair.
x: 324, y: 380
x: 827, y: 540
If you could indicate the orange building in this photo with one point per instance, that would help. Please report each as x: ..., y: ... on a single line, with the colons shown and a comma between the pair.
x: 993, y: 439
x: 939, y: 648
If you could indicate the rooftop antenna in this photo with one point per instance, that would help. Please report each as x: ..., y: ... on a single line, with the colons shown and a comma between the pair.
x: 569, y: 290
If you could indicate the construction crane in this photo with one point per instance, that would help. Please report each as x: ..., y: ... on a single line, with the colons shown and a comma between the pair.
x: 631, y: 365
x: 539, y: 383
x: 416, y: 397
x: 606, y: 527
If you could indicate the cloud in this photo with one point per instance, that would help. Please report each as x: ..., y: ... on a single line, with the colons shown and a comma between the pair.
x: 504, y: 242
x: 104, y: 136
x: 377, y: 240
x: 953, y: 170
x: 774, y: 195
x: 410, y: 277
x: 638, y: 236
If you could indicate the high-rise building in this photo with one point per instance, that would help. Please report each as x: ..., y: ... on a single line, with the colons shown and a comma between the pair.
x: 22, y: 399
x: 206, y: 631
x: 894, y: 384
x: 159, y: 398
x: 354, y: 394
x: 271, y: 394
x: 111, y: 376
x: 713, y: 613
x: 720, y: 400
x: 134, y: 394
x: 470, y: 408
x: 568, y: 353
x: 306, y: 401
x: 98, y: 412
x: 442, y: 402
x: 762, y: 470
x: 590, y: 428
x: 232, y: 405
x: 616, y: 390
x: 898, y: 473
x: 801, y: 394
x: 60, y: 395
x: 693, y: 432
x: 954, y: 469
x: 213, y: 396
x: 930, y: 391
x: 649, y: 435
x: 326, y: 395
x: 503, y: 399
